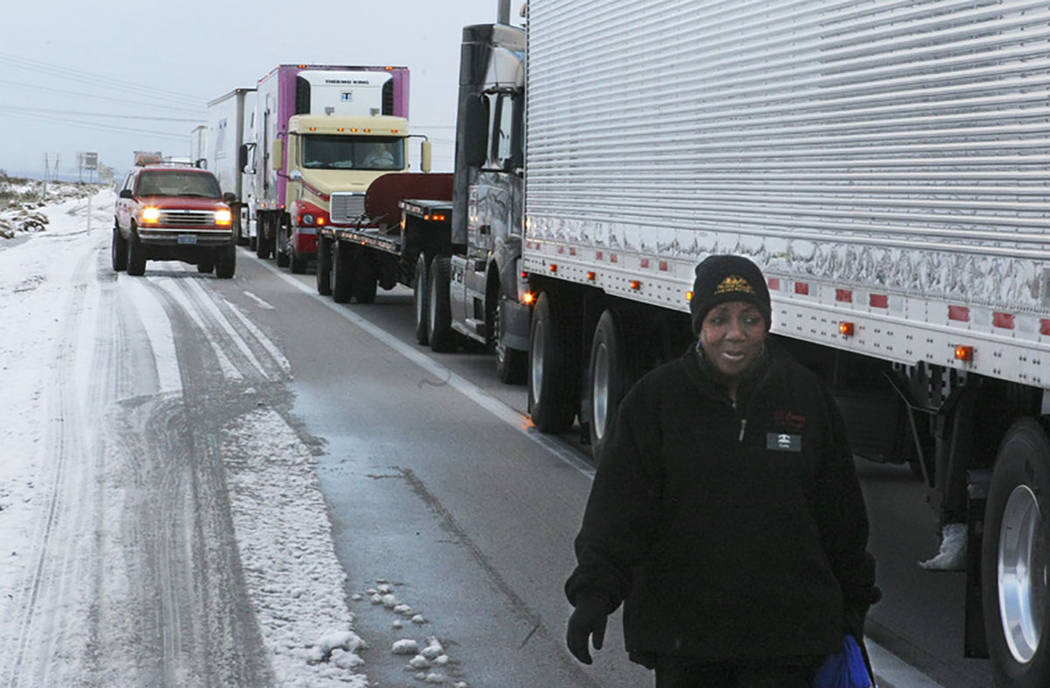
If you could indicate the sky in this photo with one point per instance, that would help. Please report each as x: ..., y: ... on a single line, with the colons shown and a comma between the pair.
x: 75, y: 78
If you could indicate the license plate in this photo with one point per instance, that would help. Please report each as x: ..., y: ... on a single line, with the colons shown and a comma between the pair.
x: 187, y: 239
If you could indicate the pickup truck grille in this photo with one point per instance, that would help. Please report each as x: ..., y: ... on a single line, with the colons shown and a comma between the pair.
x: 187, y: 218
x: 347, y: 207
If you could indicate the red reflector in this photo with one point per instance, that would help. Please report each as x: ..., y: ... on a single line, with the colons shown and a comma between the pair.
x: 774, y: 283
x: 844, y: 295
x: 1044, y: 326
x: 1003, y: 320
x: 663, y: 266
x: 964, y: 353
x: 802, y: 288
x: 612, y: 257
x: 960, y: 313
x: 561, y: 249
x: 878, y: 301
x: 572, y: 251
x: 645, y: 262
x: 597, y: 255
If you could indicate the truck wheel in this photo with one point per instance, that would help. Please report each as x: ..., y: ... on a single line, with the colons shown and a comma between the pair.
x: 253, y: 243
x: 226, y: 264
x: 281, y: 246
x: 420, y: 300
x: 136, y: 255
x: 118, y: 251
x: 439, y: 311
x: 324, y: 266
x: 262, y: 242
x: 605, y: 378
x: 511, y: 364
x: 1015, y: 559
x: 342, y: 277
x: 365, y: 283
x: 552, y: 367
x: 298, y: 262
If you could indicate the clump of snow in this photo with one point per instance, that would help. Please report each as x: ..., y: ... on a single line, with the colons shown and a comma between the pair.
x: 419, y: 619
x: 405, y: 646
x: 435, y: 678
x: 23, y: 211
x: 419, y: 662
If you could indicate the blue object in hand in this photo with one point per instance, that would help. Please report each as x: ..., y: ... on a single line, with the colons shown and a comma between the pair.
x: 844, y: 669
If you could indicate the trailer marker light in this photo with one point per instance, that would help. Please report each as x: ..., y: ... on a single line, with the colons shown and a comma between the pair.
x: 395, y: 131
x: 313, y: 128
x: 528, y: 298
x: 846, y: 328
x: 368, y: 131
x: 340, y: 129
x: 591, y: 276
x: 636, y: 285
x: 150, y: 214
x: 963, y: 353
x: 440, y: 218
x: 524, y: 275
x: 553, y: 267
x: 353, y: 130
x: 689, y: 295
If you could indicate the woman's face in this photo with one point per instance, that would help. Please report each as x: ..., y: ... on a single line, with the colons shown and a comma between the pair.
x: 732, y: 335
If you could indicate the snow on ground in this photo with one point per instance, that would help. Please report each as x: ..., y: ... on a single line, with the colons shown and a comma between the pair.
x: 294, y: 582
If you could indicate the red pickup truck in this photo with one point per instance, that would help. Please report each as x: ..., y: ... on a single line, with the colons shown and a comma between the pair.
x: 173, y: 212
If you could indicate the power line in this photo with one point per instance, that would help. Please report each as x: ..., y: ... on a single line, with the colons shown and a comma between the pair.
x: 100, y: 114
x: 95, y: 125
x: 66, y: 92
x: 92, y: 77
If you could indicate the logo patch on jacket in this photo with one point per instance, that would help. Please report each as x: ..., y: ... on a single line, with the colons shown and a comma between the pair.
x: 782, y: 441
x: 789, y: 420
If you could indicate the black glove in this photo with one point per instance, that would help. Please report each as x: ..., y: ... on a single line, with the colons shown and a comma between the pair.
x: 587, y: 621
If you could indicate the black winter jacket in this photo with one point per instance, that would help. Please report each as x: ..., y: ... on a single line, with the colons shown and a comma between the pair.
x: 730, y: 532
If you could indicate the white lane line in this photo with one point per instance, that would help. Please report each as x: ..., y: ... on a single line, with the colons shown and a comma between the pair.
x: 488, y: 402
x: 208, y: 302
x: 229, y: 370
x: 893, y: 672
x: 266, y: 342
x: 262, y: 304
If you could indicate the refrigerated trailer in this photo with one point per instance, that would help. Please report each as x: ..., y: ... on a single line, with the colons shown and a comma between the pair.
x: 230, y: 118
x: 885, y: 164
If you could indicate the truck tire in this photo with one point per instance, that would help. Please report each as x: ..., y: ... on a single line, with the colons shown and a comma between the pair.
x: 1015, y: 559
x: 226, y: 262
x: 553, y: 367
x: 281, y: 246
x: 606, y: 377
x: 136, y: 255
x: 365, y: 283
x: 298, y: 263
x: 439, y: 310
x: 511, y: 364
x: 420, y: 299
x: 118, y: 251
x: 262, y: 242
x: 342, y: 269
x: 324, y: 266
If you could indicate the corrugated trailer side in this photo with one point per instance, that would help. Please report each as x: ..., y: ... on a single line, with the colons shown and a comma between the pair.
x: 883, y: 162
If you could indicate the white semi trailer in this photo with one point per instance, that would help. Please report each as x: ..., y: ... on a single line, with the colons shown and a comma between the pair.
x: 885, y: 163
x: 230, y: 126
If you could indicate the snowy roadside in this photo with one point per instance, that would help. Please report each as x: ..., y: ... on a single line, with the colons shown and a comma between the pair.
x: 62, y: 488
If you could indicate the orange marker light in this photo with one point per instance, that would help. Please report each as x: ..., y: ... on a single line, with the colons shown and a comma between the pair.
x: 689, y: 296
x: 528, y: 298
x: 963, y: 353
x: 553, y: 267
x: 636, y: 285
x: 846, y: 328
x: 591, y: 276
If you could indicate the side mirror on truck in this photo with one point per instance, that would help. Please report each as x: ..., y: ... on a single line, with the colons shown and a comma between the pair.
x: 476, y: 125
x: 126, y: 193
x: 242, y: 157
x: 425, y: 154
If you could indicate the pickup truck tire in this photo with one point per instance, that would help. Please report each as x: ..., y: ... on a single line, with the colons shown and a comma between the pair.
x: 118, y: 251
x: 342, y: 269
x: 1015, y: 559
x: 439, y: 310
x: 553, y: 367
x: 136, y: 255
x: 606, y: 374
x: 421, y: 300
x: 226, y: 262
x: 324, y: 266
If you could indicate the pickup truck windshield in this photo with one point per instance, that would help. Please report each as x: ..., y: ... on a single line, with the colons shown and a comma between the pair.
x: 322, y: 152
x: 175, y: 183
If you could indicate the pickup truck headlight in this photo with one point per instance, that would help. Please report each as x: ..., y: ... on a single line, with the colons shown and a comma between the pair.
x: 223, y: 217
x: 150, y: 215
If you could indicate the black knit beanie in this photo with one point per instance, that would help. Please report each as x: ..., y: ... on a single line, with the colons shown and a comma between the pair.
x: 727, y: 278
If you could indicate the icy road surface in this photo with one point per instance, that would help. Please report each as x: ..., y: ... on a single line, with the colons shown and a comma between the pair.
x: 160, y: 522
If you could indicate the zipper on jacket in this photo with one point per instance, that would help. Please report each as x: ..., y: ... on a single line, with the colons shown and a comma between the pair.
x: 743, y: 426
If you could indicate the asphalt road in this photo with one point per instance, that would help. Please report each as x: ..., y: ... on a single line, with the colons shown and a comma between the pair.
x: 437, y: 488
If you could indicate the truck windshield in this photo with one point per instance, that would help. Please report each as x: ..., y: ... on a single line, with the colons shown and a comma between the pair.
x: 353, y: 152
x: 175, y: 183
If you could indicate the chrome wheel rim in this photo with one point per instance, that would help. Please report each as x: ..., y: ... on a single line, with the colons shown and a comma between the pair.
x: 1022, y: 578
x: 600, y: 390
